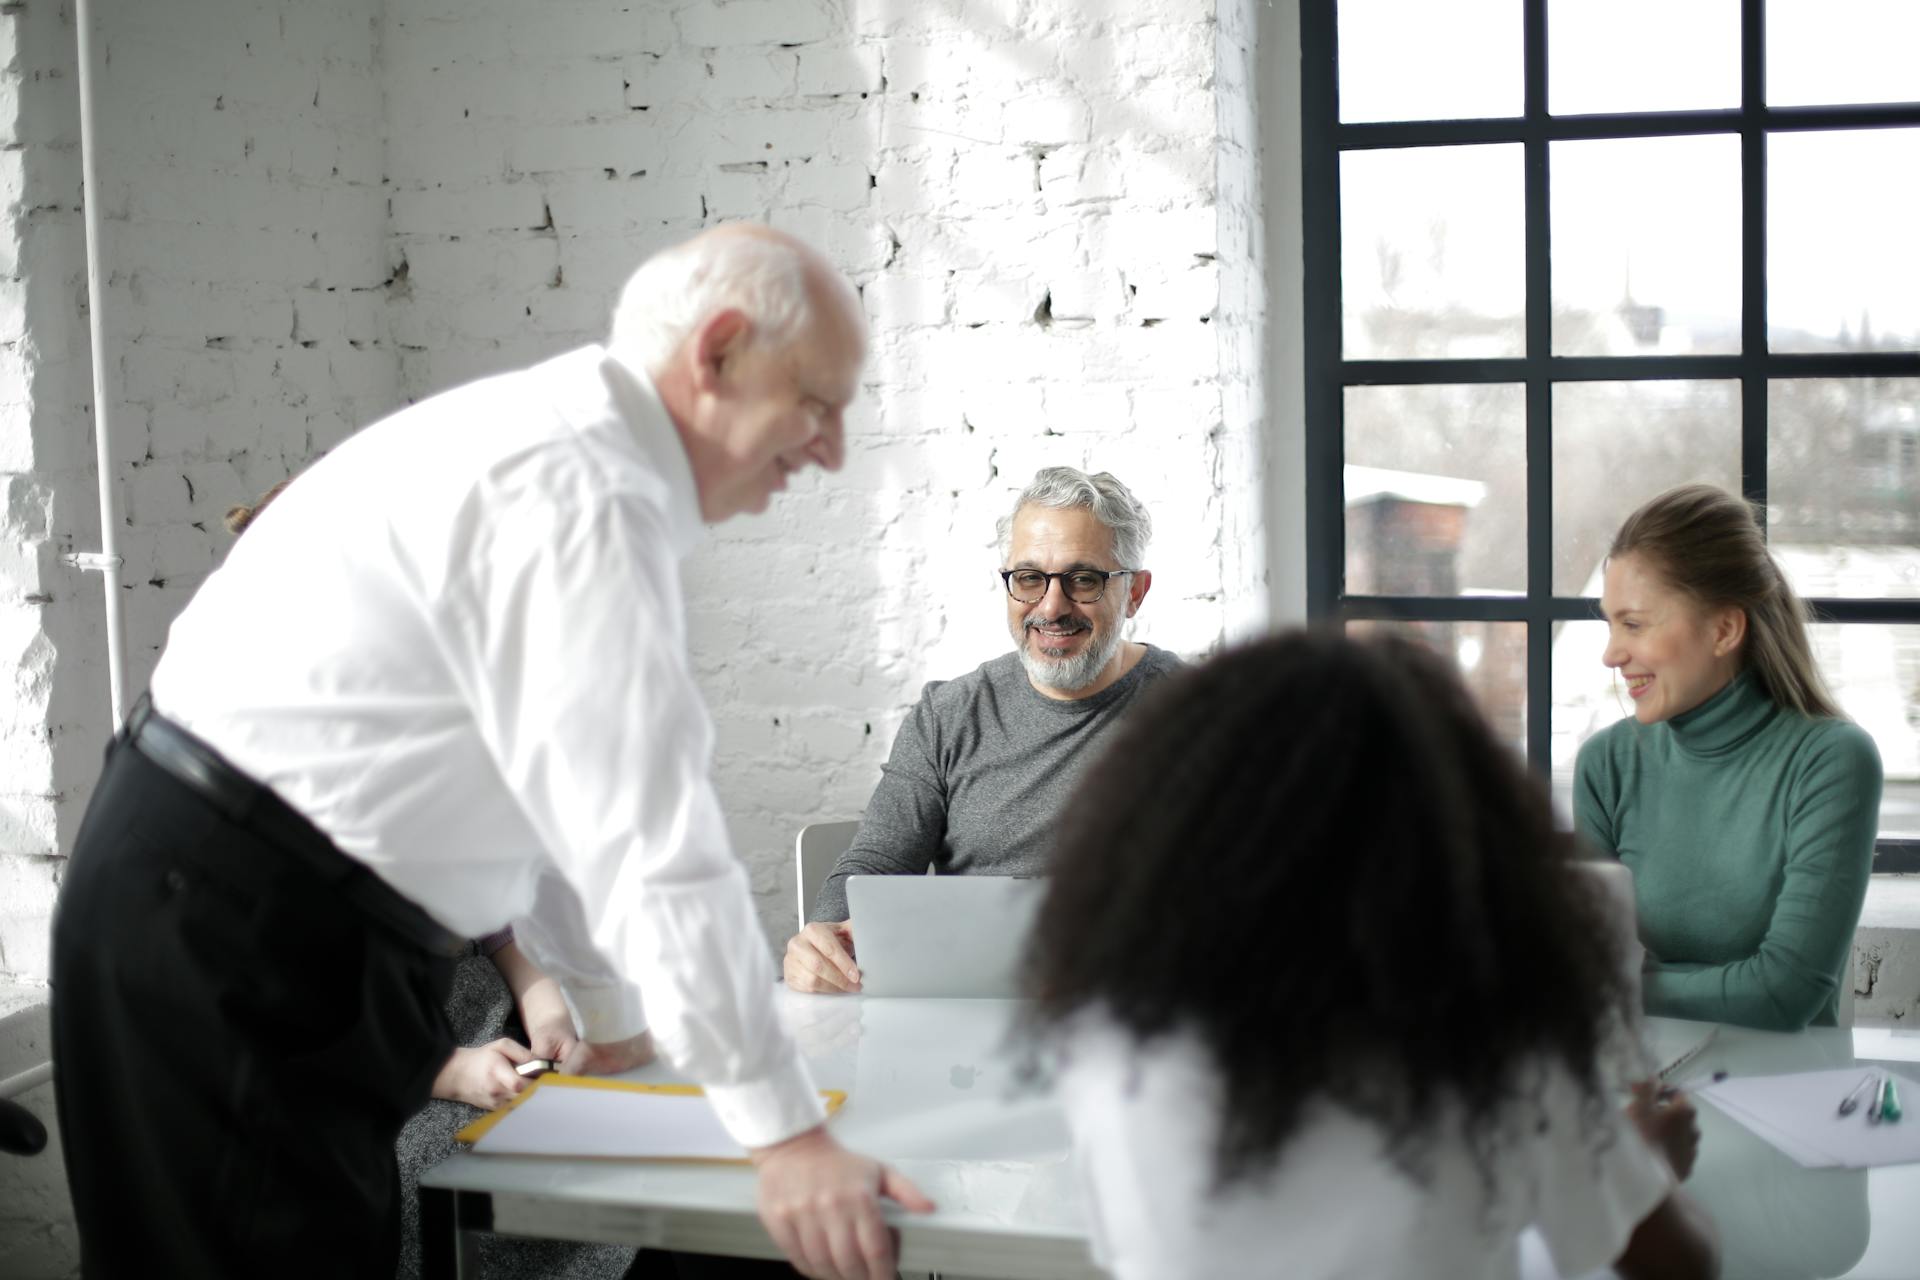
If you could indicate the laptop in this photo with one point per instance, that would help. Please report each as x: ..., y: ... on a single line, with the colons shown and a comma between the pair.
x: 942, y: 935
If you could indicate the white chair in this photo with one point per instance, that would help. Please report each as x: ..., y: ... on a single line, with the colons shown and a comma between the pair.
x: 817, y: 848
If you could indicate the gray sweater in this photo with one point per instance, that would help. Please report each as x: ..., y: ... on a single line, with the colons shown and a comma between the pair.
x: 979, y: 772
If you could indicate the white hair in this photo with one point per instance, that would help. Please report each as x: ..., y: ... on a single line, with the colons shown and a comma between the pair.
x: 1112, y: 504
x: 677, y: 289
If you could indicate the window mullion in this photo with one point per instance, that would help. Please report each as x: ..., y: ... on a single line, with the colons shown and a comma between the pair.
x: 1321, y: 292
x: 1753, y: 251
x: 1539, y: 393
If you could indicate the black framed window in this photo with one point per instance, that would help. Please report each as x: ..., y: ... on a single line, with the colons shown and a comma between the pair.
x: 1561, y: 256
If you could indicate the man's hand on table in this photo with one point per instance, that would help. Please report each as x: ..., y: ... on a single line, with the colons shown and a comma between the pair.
x: 589, y: 1059
x: 820, y: 958
x: 821, y: 1204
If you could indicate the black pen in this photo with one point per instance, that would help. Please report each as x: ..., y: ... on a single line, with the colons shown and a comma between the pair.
x: 1851, y: 1103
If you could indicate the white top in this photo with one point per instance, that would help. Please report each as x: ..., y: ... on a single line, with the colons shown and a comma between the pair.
x: 1145, y: 1122
x: 457, y: 645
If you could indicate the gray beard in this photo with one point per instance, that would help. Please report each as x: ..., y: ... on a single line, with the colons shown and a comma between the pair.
x: 1069, y: 675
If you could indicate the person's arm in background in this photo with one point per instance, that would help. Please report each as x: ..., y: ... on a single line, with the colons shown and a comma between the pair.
x: 899, y: 835
x: 1677, y: 1241
x: 543, y: 1009
x: 1605, y: 1187
x: 564, y: 625
x: 1831, y: 825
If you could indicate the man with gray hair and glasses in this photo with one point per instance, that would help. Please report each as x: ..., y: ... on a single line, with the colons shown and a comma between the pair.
x: 981, y: 769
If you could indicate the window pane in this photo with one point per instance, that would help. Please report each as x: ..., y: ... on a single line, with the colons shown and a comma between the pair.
x: 1826, y: 51
x: 1390, y: 51
x: 1436, y: 490
x: 1616, y: 444
x: 1843, y: 488
x: 1646, y: 246
x: 1843, y: 261
x: 1433, y: 252
x: 1874, y: 672
x: 1492, y: 657
x: 1684, y: 57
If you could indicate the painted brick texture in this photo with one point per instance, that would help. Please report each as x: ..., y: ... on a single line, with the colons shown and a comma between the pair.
x: 317, y: 212
x: 1026, y: 196
x: 242, y: 167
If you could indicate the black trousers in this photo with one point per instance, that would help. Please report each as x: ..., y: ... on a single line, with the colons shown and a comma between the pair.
x: 236, y: 1040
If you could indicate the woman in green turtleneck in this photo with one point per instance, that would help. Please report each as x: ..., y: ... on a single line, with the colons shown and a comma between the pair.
x: 1742, y: 799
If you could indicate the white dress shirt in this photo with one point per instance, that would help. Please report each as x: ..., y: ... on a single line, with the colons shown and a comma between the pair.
x: 1145, y: 1122
x: 457, y: 645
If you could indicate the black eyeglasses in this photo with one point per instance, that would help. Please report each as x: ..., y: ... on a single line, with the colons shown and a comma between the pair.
x: 1083, y: 586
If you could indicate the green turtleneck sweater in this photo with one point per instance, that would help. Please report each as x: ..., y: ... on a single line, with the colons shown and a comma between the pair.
x: 1749, y: 829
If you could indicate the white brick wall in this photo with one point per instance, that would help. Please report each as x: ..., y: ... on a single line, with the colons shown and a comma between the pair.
x: 318, y: 211
x: 243, y: 143
x: 964, y: 164
x: 37, y: 619
x: 242, y: 182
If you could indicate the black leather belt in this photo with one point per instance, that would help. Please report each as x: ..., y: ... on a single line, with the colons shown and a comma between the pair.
x: 192, y: 761
x: 248, y: 804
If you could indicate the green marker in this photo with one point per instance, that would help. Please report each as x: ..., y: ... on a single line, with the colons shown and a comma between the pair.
x: 1889, y: 1099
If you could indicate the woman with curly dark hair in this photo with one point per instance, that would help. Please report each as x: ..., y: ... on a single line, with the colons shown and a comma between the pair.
x: 1328, y: 999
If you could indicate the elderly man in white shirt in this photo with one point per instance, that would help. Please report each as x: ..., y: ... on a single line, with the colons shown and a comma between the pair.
x: 442, y: 685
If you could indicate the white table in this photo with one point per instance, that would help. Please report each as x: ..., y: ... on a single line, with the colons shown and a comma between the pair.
x: 933, y: 1091
x: 930, y: 1089
x: 1777, y: 1220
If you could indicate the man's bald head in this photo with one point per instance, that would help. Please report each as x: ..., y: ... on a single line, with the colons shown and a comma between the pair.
x: 783, y: 287
x: 754, y: 344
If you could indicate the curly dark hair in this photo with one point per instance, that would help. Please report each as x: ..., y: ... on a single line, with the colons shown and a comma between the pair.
x: 1312, y: 854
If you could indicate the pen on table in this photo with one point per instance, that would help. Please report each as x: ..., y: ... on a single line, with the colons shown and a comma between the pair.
x: 1851, y: 1103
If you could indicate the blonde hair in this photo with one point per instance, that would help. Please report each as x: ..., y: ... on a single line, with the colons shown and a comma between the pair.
x: 1710, y: 545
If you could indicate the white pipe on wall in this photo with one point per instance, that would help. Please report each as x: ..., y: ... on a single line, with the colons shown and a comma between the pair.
x: 108, y: 560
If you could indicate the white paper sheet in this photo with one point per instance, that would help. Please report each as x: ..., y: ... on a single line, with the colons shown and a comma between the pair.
x: 557, y: 1119
x: 1806, y: 1156
x: 1799, y: 1113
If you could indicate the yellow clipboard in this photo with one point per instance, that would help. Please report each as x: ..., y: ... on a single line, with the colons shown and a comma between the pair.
x: 834, y: 1099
